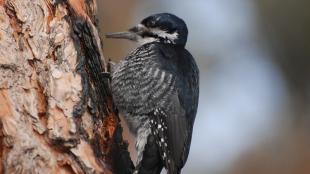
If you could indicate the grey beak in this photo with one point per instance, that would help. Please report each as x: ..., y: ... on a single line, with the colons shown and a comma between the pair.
x: 123, y: 35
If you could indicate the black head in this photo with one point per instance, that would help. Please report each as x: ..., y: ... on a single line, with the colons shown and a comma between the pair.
x: 162, y: 27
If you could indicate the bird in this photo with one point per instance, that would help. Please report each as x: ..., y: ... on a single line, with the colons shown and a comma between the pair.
x: 156, y: 88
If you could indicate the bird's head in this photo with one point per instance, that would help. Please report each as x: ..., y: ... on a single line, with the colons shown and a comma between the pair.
x: 162, y: 27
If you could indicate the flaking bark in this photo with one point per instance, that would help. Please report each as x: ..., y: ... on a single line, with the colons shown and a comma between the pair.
x: 56, y: 109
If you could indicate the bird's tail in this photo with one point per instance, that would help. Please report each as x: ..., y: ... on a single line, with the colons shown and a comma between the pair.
x: 147, y: 170
x: 173, y: 169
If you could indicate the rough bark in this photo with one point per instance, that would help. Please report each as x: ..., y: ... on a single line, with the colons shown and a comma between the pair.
x: 56, y: 110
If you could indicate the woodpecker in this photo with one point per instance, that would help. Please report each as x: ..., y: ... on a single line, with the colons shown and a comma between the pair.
x: 156, y: 87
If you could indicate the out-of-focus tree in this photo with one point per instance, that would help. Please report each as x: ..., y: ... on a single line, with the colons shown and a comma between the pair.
x: 286, y: 24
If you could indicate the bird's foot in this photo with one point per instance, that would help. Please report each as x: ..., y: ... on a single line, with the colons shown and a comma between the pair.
x: 111, y: 65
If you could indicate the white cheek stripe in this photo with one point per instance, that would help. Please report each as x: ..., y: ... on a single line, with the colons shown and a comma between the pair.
x: 164, y: 34
x: 146, y: 40
x: 171, y: 37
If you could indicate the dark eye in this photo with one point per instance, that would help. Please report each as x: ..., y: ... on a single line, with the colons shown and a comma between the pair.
x: 151, y: 23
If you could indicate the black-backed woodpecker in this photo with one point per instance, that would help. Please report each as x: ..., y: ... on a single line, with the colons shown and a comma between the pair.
x: 156, y: 87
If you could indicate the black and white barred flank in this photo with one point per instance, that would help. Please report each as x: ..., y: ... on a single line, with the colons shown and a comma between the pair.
x: 140, y: 74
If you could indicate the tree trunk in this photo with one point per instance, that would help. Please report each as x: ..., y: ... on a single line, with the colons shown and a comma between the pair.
x: 56, y: 110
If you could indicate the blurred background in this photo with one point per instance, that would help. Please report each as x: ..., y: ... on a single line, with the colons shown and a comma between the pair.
x: 254, y: 60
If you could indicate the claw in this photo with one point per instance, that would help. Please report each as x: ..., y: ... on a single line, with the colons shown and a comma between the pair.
x: 111, y: 65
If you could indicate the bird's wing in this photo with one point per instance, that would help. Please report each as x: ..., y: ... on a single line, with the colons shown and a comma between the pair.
x: 171, y: 131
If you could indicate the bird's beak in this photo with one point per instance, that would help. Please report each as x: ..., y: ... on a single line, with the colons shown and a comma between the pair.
x: 123, y: 35
x: 132, y: 34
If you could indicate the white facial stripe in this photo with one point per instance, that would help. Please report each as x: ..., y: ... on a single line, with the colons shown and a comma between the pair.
x: 140, y: 26
x: 165, y: 34
x: 169, y: 37
x: 146, y: 40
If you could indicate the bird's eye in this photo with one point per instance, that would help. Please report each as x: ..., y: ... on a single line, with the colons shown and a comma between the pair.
x: 150, y: 24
